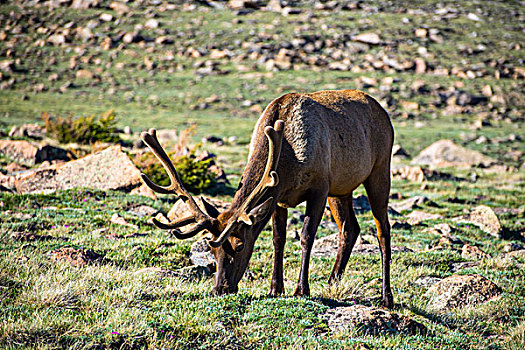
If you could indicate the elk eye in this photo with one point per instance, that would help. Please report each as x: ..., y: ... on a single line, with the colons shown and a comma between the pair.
x: 228, y: 249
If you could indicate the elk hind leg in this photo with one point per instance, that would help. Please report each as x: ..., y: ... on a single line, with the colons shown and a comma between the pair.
x: 344, y: 216
x: 377, y: 187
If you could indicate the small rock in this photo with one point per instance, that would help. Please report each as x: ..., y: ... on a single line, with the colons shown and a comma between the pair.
x: 201, y: 255
x: 410, y: 203
x: 421, y: 32
x: 367, y: 38
x: 444, y: 229
x: 74, y: 256
x: 459, y: 266
x: 485, y: 218
x: 142, y: 210
x: 119, y: 220
x: 29, y: 153
x: 512, y: 247
x: 446, y: 153
x: 400, y: 152
x: 371, y: 320
x: 519, y: 254
x: 181, y: 210
x: 57, y: 39
x: 461, y: 290
x: 119, y: 7
x: 327, y: 247
x: 417, y: 216
x: 93, y: 171
x: 33, y: 131
x: 84, y: 74
x: 152, y: 24
x: 106, y: 17
x: 473, y: 253
x: 427, y: 281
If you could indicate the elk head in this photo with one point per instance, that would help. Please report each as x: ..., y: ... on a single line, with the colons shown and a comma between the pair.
x: 235, y: 230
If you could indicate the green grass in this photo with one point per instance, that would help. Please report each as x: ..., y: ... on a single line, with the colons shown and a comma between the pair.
x: 119, y: 303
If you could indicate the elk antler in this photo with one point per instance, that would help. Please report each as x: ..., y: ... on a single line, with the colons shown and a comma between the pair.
x: 203, y: 220
x: 268, y: 180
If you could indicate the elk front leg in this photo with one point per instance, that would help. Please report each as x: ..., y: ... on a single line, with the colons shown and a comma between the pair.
x: 279, y: 218
x: 343, y: 213
x: 314, y: 213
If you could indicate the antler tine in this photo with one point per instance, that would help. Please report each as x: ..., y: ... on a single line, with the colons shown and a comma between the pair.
x: 173, y: 225
x: 269, y: 179
x: 176, y: 187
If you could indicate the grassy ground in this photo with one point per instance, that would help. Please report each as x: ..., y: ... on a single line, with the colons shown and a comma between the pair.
x: 115, y: 303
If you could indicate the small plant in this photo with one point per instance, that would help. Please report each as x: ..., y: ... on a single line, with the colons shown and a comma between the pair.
x: 84, y: 129
x: 194, y: 173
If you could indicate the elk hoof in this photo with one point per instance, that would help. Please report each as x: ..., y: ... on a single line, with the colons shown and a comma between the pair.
x: 388, y: 301
x: 302, y: 291
x: 276, y: 291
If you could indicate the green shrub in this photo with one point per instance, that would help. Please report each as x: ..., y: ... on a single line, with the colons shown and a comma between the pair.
x: 193, y: 173
x: 84, y: 129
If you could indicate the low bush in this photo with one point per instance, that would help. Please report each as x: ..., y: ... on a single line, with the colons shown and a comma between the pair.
x: 83, y: 129
x: 193, y: 173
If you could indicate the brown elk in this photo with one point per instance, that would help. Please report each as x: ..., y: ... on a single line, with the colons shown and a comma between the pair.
x: 305, y: 147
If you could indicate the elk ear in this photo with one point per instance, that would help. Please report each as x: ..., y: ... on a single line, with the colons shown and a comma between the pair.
x: 258, y: 213
x: 210, y: 209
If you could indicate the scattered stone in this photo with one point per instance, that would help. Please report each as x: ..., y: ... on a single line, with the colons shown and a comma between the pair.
x: 461, y: 290
x: 33, y: 131
x: 410, y: 203
x: 444, y: 229
x: 485, y: 218
x: 411, y: 173
x: 417, y: 216
x: 473, y: 253
x: 367, y: 38
x: 93, y: 171
x: 460, y: 266
x: 85, y: 4
x: 427, y: 281
x: 74, y: 256
x: 28, y: 153
x: 400, y: 152
x: 119, y: 220
x: 361, y: 204
x: 512, y: 247
x: 106, y: 17
x: 326, y: 247
x: 519, y: 254
x: 201, y: 255
x: 151, y: 23
x: 84, y: 74
x: 159, y: 217
x: 57, y: 39
x: 447, y: 240
x: 181, y: 210
x: 119, y: 7
x: 445, y: 153
x: 371, y: 320
x: 142, y: 211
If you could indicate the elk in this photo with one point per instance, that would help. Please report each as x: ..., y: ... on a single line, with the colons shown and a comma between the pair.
x: 311, y: 148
